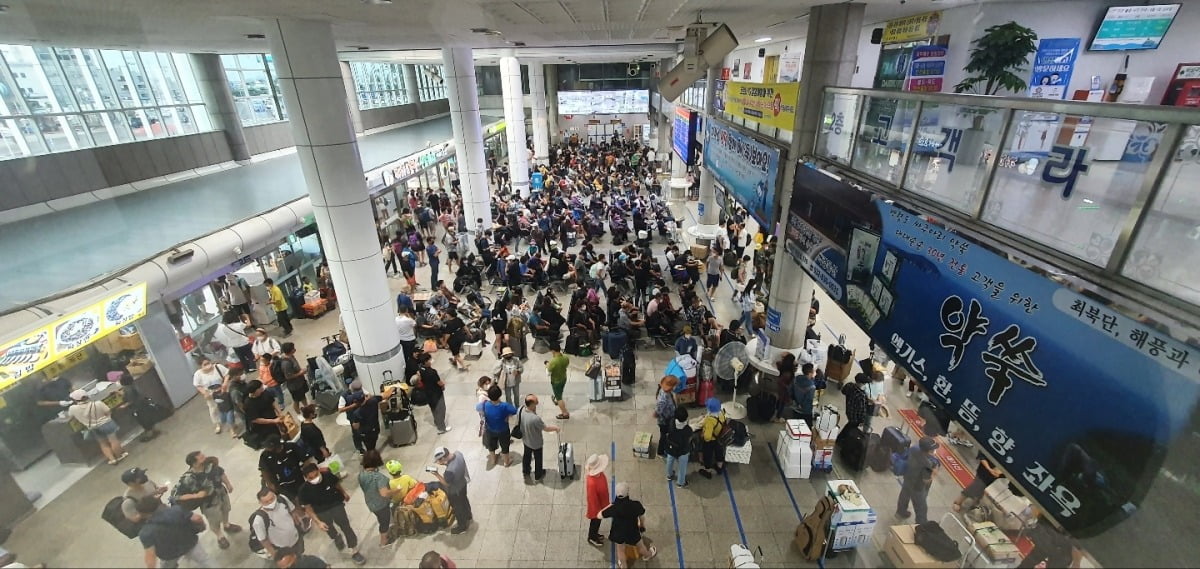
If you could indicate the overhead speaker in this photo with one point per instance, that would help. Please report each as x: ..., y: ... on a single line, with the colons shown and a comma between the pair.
x: 712, y: 51
x: 877, y: 36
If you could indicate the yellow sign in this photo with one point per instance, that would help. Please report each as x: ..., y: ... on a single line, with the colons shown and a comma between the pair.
x: 771, y: 104
x: 66, y: 335
x: 912, y: 28
x: 66, y: 363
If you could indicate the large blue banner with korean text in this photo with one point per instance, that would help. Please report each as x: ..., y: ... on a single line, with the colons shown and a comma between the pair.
x: 1078, y: 402
x: 1053, y: 65
x: 745, y: 167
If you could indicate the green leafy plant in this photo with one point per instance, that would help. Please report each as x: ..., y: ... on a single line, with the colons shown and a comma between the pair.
x: 998, y: 56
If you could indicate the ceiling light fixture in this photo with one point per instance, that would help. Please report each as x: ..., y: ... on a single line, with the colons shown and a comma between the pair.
x: 762, y: 40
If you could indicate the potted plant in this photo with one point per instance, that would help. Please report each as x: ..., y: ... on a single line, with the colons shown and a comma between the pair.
x: 999, y: 54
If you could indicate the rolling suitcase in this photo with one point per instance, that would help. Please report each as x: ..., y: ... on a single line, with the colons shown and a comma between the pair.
x: 760, y: 407
x: 566, y: 462
x: 403, y: 431
x: 852, y: 446
x: 894, y: 440
x: 879, y: 458
x: 628, y: 367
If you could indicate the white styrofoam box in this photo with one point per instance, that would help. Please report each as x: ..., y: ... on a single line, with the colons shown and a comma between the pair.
x: 739, y: 455
x: 822, y: 458
x: 798, y: 429
x: 802, y: 472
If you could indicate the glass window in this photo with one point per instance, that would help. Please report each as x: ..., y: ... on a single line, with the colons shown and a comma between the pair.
x: 1069, y: 181
x: 379, y: 84
x: 950, y: 154
x: 1164, y: 253
x: 431, y: 83
x: 836, y: 135
x: 883, y: 133
x: 255, y: 89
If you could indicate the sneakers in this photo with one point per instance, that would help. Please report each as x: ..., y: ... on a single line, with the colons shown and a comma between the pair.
x: 217, y: 430
x: 457, y: 530
x: 670, y: 477
x: 706, y: 474
x: 358, y: 558
x: 446, y: 430
x: 684, y: 485
x: 903, y: 515
x: 233, y: 528
x: 596, y: 542
x: 390, y: 542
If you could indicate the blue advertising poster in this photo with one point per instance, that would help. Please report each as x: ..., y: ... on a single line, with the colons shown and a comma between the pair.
x: 1076, y: 401
x: 1053, y: 65
x: 747, y: 168
x: 683, y: 134
x: 537, y: 181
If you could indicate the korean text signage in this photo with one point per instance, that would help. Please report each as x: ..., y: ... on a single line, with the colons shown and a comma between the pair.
x: 770, y: 104
x: 1036, y: 371
x: 928, y: 69
x: 912, y: 28
x: 683, y: 134
x: 747, y: 168
x: 406, y: 167
x: 65, y: 335
x: 1052, y: 68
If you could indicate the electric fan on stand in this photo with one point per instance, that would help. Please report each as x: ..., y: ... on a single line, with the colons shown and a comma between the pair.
x: 729, y: 362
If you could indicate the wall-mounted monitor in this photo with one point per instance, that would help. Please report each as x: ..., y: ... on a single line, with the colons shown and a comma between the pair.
x: 632, y: 101
x: 1126, y: 28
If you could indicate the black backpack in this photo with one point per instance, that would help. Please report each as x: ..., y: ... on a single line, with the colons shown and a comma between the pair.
x: 116, y: 518
x: 933, y: 539
x: 253, y: 541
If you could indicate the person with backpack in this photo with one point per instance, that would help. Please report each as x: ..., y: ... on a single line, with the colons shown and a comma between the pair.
x: 280, y: 464
x: 858, y: 404
x: 677, y: 445
x: 169, y: 534
x: 206, y: 487
x: 275, y: 526
x: 138, y: 486
x: 323, y: 498
x: 664, y: 407
x: 270, y: 373
x: 712, y: 454
x: 918, y: 477
x: 429, y: 381
x: 349, y: 403
x: 802, y: 393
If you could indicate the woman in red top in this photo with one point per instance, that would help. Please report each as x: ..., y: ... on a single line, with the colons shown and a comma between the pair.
x: 597, y: 495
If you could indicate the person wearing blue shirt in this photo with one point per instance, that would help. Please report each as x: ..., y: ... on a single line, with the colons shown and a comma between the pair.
x: 496, y: 432
x: 403, y: 300
x: 431, y: 253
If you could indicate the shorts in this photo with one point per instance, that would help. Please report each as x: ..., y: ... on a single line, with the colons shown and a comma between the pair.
x: 103, y: 430
x: 492, y: 441
x: 299, y: 395
x: 557, y: 388
x: 712, y: 281
x: 384, y: 516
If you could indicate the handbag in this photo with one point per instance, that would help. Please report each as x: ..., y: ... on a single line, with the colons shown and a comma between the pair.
x: 429, y: 347
x: 516, y: 432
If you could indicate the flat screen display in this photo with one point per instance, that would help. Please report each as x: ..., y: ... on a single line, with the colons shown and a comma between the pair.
x: 1126, y: 28
x: 683, y: 134
x: 604, y: 102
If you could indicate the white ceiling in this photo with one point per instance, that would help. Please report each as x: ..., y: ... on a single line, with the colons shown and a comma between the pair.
x: 590, y: 30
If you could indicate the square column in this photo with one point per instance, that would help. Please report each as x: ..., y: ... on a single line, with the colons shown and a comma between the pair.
x: 541, y: 126
x: 311, y: 79
x: 214, y: 88
x: 468, y: 136
x: 514, y: 125
x: 552, y: 102
x: 412, y: 88
x: 708, y: 186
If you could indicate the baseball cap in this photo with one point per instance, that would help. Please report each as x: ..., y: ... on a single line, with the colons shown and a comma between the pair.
x: 134, y: 475
x: 78, y: 395
x: 440, y: 453
x: 927, y: 444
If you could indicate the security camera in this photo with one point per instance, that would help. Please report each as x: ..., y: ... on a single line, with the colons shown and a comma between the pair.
x: 237, y: 250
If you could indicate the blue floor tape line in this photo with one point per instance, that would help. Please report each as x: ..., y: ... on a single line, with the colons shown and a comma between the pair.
x: 612, y: 547
x: 779, y: 467
x: 675, y: 514
x: 733, y: 502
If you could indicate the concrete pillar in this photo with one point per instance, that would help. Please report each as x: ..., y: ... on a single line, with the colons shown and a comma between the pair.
x: 514, y: 124
x: 351, y: 97
x: 541, y: 123
x: 311, y: 78
x: 412, y: 87
x: 222, y: 111
x: 552, y: 102
x: 708, y: 185
x: 830, y: 56
x: 468, y: 136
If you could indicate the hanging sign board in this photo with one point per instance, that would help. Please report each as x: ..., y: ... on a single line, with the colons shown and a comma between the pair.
x: 770, y: 104
x: 912, y: 28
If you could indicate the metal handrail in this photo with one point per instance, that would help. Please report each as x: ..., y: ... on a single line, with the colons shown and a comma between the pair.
x: 1154, y: 113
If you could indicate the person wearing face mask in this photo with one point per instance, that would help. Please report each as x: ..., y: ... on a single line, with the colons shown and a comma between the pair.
x: 323, y: 498
x: 276, y: 525
x: 262, y: 343
x: 508, y: 375
x: 687, y: 344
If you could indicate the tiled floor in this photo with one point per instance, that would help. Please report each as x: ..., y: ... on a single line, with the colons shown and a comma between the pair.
x: 516, y: 525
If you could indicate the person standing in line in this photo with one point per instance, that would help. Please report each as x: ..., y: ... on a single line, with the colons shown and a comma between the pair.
x: 268, y: 371
x: 349, y: 403
x: 678, y: 446
x: 293, y: 376
x: 455, y: 481
x: 532, y: 427
x: 323, y: 498
x: 508, y: 375
x: 596, y: 492
x: 262, y: 343
x: 99, y: 425
x: 918, y: 477
x: 209, y: 378
x: 236, y: 293
x: 713, y: 270
x: 280, y: 465
x: 377, y: 493
x: 169, y: 534
x: 311, y: 435
x: 407, y: 326
x: 431, y: 252
x: 748, y: 300
x: 783, y: 385
x: 496, y: 432
x: 279, y: 304
x: 276, y: 524
x: 801, y: 393
x: 664, y: 408
x: 231, y: 333
x: 557, y: 367
x: 206, y: 486
x: 627, y: 527
x: 262, y: 419
x: 138, y: 486
x: 429, y: 380
x: 711, y: 452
